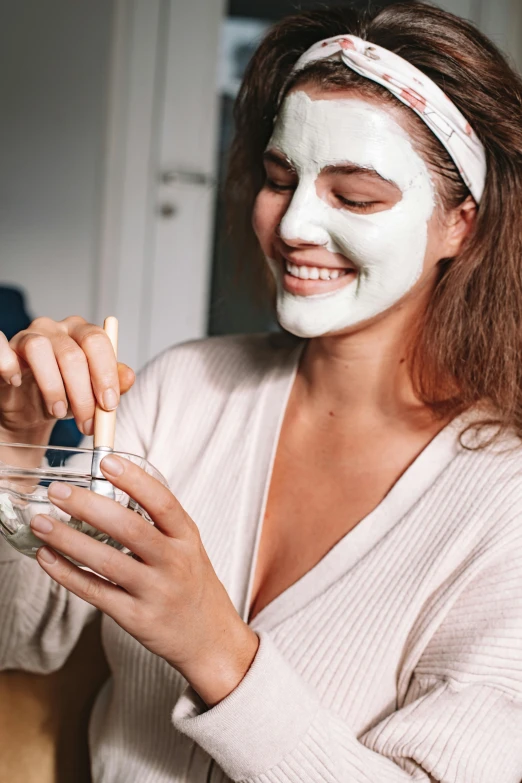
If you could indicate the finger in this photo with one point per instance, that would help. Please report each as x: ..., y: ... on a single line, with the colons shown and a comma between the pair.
x: 10, y: 370
x: 101, y: 558
x: 163, y: 508
x: 77, y: 380
x: 106, y: 597
x: 125, y: 526
x: 103, y: 367
x: 126, y: 377
x: 37, y: 352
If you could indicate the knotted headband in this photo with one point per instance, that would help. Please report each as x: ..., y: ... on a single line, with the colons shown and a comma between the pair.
x: 417, y: 91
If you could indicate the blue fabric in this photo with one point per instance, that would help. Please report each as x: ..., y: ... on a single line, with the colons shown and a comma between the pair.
x: 13, y: 315
x: 13, y: 319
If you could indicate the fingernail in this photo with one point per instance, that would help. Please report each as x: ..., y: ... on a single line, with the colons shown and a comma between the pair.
x: 47, y: 555
x: 16, y: 380
x: 88, y: 426
x: 112, y: 465
x: 41, y: 524
x: 110, y: 399
x: 58, y: 490
x: 59, y: 409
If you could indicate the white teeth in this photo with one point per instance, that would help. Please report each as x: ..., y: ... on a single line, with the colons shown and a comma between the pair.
x: 313, y: 272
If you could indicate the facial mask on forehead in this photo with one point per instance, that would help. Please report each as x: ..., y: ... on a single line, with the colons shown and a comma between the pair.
x: 387, y: 247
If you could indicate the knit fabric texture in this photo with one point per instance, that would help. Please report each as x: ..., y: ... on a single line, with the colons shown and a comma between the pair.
x: 397, y: 658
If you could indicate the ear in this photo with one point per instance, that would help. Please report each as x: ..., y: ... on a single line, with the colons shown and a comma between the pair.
x: 459, y: 223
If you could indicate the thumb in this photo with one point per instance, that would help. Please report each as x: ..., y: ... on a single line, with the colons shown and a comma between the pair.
x: 126, y: 377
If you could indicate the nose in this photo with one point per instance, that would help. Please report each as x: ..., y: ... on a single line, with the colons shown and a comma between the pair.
x: 301, y: 223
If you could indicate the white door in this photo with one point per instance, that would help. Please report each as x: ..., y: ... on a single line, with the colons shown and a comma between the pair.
x: 161, y: 169
x: 187, y: 168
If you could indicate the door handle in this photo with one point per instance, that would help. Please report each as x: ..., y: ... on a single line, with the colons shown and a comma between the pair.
x: 187, y: 178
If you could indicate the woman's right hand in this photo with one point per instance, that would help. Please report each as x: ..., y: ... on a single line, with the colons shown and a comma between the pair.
x: 54, y: 370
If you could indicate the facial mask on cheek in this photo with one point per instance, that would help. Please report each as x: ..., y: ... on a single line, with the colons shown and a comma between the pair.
x: 387, y: 247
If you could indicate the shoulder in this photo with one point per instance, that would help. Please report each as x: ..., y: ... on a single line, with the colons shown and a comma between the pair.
x: 187, y: 387
x: 486, y: 486
x: 220, y: 362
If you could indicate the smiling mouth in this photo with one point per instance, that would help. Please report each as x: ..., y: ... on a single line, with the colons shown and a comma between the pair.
x: 301, y: 279
x: 303, y: 272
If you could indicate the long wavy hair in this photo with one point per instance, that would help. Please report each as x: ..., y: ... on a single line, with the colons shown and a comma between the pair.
x: 468, y: 349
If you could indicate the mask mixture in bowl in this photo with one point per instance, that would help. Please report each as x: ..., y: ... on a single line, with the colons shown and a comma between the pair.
x: 25, y: 475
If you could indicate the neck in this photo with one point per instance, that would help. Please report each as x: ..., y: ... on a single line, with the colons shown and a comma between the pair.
x: 363, y: 377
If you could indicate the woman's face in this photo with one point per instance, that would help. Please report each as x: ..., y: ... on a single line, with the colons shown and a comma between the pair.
x: 346, y: 218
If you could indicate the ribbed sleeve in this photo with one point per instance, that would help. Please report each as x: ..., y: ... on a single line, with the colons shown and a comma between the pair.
x: 40, y: 621
x: 461, y: 721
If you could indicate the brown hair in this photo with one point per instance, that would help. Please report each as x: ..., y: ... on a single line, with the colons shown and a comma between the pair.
x: 468, y: 350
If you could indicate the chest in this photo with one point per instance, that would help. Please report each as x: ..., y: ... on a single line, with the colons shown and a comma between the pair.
x: 321, y: 487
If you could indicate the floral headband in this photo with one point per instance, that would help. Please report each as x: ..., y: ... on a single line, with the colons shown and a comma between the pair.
x: 417, y: 91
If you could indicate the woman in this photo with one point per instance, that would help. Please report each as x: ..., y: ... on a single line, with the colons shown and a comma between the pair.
x: 332, y: 590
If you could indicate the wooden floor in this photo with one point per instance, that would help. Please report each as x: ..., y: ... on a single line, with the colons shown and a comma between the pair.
x: 43, y: 719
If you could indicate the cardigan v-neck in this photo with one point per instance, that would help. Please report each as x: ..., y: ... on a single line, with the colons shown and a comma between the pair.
x: 353, y: 546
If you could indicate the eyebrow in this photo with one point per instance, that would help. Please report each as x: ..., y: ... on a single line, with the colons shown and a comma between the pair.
x: 351, y: 168
x: 279, y: 160
x: 343, y: 168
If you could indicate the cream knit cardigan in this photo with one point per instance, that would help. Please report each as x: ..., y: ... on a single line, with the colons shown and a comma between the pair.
x: 397, y: 658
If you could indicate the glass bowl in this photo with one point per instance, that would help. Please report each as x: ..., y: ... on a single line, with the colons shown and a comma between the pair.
x: 25, y: 474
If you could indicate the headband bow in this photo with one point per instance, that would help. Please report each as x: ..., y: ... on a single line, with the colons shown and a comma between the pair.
x: 417, y: 91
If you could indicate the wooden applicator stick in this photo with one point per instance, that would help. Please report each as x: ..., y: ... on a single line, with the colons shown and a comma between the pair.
x: 104, y: 426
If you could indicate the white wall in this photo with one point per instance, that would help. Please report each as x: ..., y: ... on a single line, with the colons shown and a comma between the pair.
x: 514, y: 32
x: 501, y: 20
x: 54, y: 58
x: 465, y: 8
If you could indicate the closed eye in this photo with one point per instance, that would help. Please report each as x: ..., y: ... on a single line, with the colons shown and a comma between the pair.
x: 278, y: 186
x: 359, y: 205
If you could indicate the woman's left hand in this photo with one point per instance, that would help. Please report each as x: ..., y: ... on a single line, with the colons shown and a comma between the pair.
x: 170, y: 599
